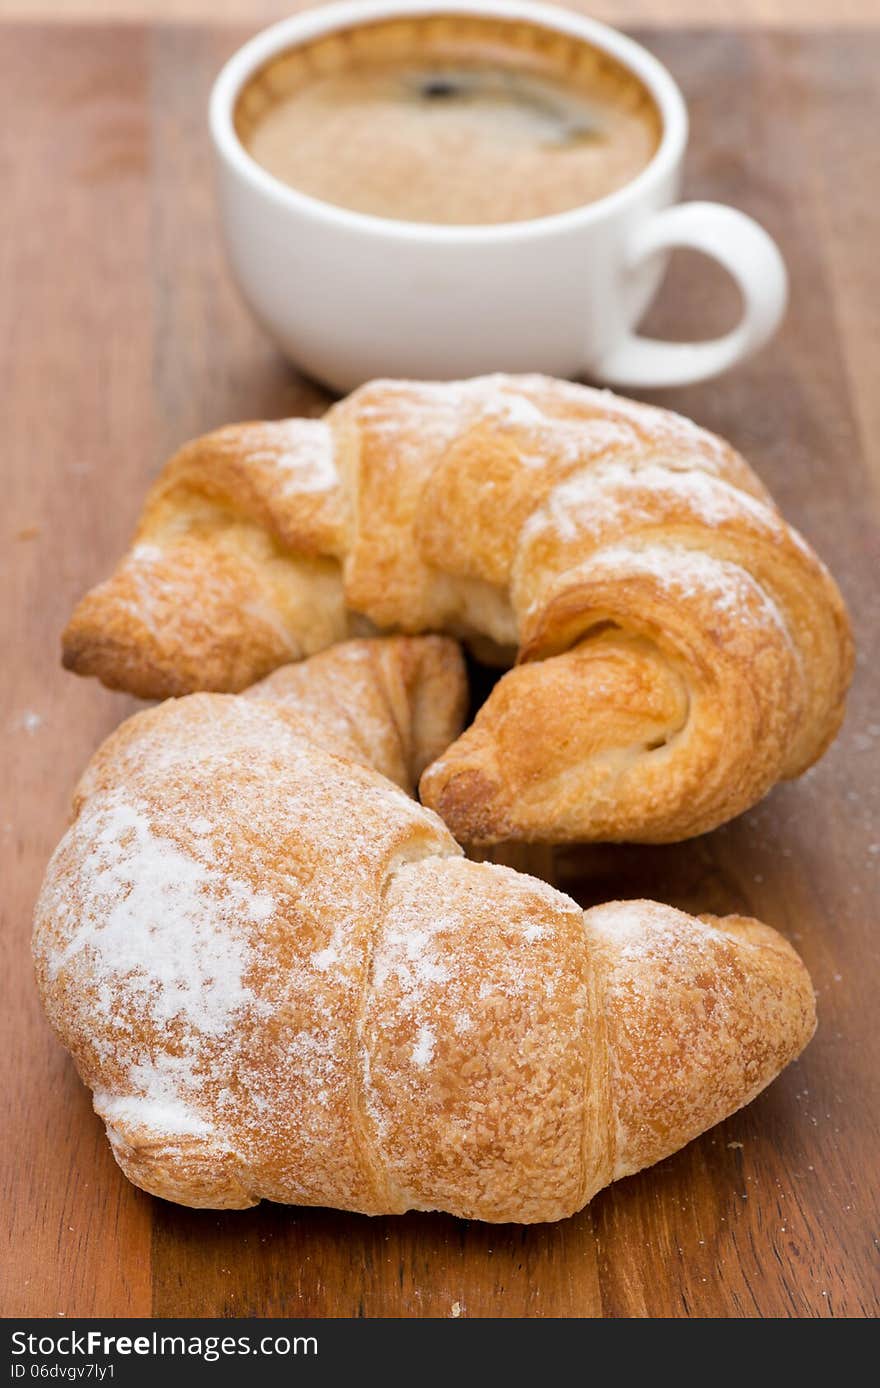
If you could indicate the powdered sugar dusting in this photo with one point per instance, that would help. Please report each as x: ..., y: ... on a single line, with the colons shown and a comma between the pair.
x: 205, y: 930
x: 626, y: 494
x: 562, y: 418
x: 145, y: 553
x: 169, y: 1116
x: 308, y: 465
x: 423, y: 1050
x: 691, y: 573
x: 334, y: 952
x: 640, y: 929
x: 508, y: 407
x: 160, y: 919
x: 408, y: 950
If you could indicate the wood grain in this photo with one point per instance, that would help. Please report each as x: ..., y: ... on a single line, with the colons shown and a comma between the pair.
x: 120, y: 336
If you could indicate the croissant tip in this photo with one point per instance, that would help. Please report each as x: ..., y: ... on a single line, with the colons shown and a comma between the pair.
x: 79, y: 652
x: 118, y: 667
x: 466, y: 801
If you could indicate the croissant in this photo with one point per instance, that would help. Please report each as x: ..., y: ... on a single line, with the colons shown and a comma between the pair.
x: 680, y: 648
x: 283, y: 981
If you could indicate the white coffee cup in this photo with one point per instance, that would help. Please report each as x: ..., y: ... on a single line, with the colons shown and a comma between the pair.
x: 349, y: 296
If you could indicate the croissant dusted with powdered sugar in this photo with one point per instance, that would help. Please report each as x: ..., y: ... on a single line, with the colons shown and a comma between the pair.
x: 283, y: 981
x: 679, y: 647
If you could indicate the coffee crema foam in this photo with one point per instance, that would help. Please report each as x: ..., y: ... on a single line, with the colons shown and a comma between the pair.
x: 457, y: 120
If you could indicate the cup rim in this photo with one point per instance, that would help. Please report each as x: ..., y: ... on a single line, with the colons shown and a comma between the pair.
x: 311, y: 24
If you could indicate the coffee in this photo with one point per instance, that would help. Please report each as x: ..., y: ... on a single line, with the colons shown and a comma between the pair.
x: 451, y: 119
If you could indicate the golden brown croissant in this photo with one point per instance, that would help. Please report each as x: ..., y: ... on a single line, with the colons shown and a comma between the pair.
x: 680, y: 647
x: 282, y: 980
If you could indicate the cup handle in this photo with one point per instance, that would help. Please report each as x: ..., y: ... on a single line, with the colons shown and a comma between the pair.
x: 746, y: 252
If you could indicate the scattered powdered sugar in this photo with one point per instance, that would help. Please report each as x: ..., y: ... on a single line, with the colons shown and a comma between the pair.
x: 555, y: 427
x: 163, y: 1075
x: 423, y: 1050
x: 156, y: 916
x: 626, y: 492
x: 167, y: 1115
x: 716, y: 500
x: 533, y: 461
x: 317, y: 1051
x: 164, y: 957
x: 688, y: 573
x: 589, y: 440
x: 144, y: 553
x: 639, y: 928
x: 558, y: 445
x: 334, y: 951
x: 585, y: 408
x: 434, y: 414
x: 653, y: 944
x: 413, y: 413
x: 407, y: 950
x: 308, y: 465
x: 148, y: 577
x: 510, y: 408
x: 674, y: 427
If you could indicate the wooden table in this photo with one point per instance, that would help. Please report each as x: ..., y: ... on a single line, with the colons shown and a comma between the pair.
x: 121, y: 336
